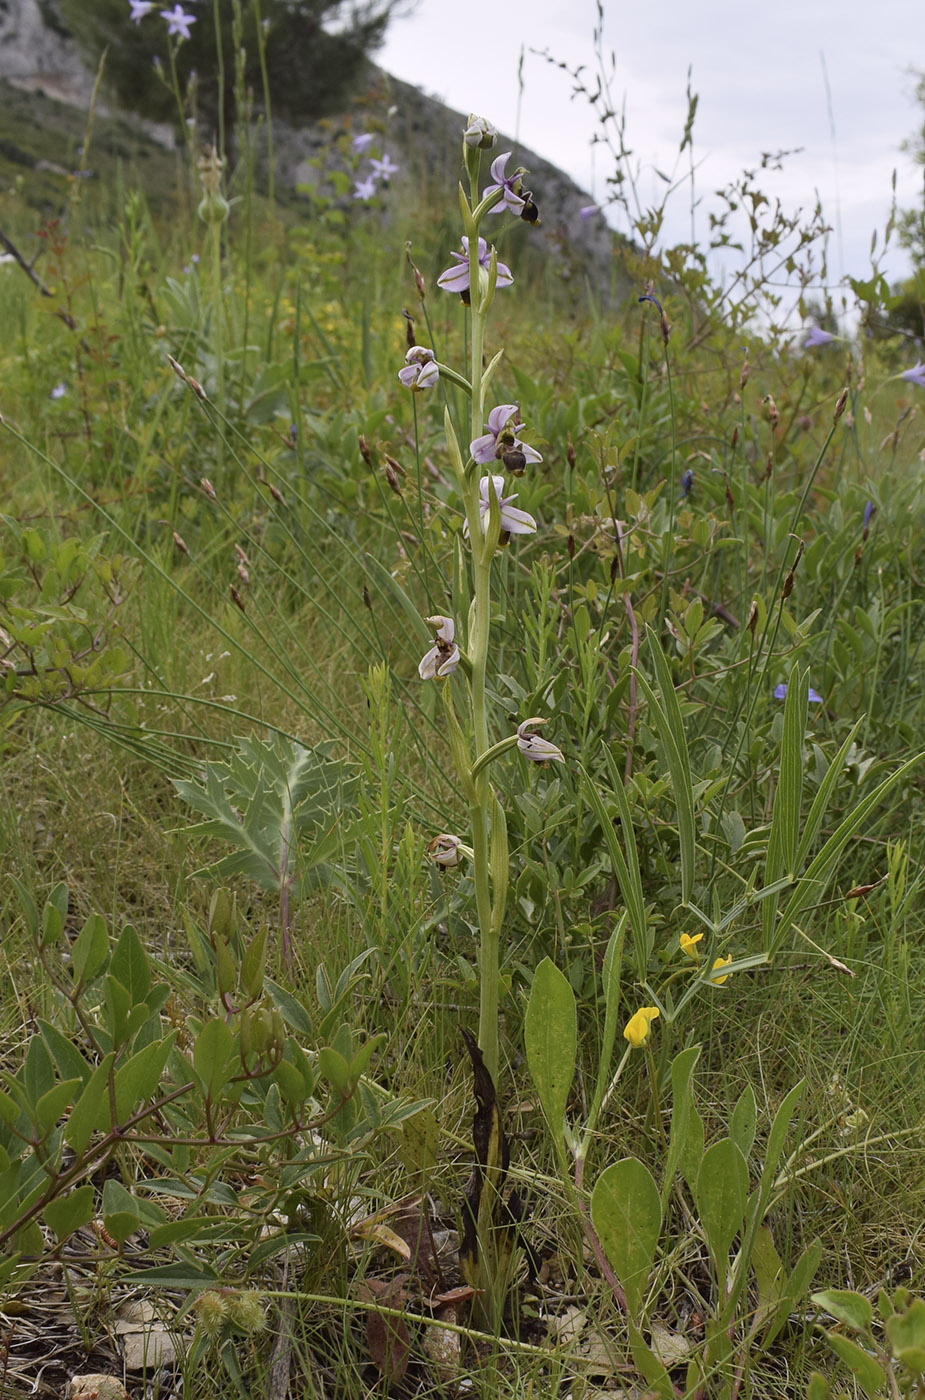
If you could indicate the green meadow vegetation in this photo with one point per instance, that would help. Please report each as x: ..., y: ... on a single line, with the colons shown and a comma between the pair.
x: 457, y: 938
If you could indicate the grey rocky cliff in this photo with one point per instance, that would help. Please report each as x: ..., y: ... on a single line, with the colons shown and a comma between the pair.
x: 423, y: 135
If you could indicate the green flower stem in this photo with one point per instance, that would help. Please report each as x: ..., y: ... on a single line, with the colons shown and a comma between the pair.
x: 491, y: 754
x: 490, y: 884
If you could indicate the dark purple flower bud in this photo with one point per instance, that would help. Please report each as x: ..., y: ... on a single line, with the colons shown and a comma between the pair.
x: 687, y: 481
x: 869, y: 510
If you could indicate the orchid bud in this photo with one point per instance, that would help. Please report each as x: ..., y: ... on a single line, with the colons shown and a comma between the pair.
x: 480, y: 134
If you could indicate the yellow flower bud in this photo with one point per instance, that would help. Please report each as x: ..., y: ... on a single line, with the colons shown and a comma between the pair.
x: 689, y: 945
x: 720, y: 962
x: 636, y: 1030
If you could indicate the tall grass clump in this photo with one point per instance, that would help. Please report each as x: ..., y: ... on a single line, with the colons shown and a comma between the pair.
x: 462, y: 924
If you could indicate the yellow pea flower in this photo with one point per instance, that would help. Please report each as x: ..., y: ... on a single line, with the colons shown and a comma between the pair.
x: 636, y: 1030
x: 689, y: 945
x: 720, y: 962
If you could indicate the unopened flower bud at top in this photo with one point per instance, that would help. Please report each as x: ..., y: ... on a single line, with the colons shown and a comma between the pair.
x: 213, y: 207
x: 480, y: 134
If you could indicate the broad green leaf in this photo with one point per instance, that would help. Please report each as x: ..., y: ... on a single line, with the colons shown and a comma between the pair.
x: 68, y: 1213
x: 118, y: 1005
x: 291, y: 1010
x: 129, y: 965
x: 722, y: 1190
x: 683, y: 1110
x: 69, y: 1062
x: 140, y: 1076
x: 10, y: 1110
x: 865, y: 1368
x: 211, y: 1054
x: 648, y: 1364
x: 54, y: 915
x: 794, y: 1290
x: 818, y: 1388
x: 253, y: 965
x: 275, y: 1244
x: 846, y: 1306
x: 360, y: 1062
x: 335, y: 1070
x: 90, y: 949
x: 551, y: 1039
x: 38, y: 1072
x: 91, y: 1111
x: 57, y: 1101
x: 419, y: 1141
x: 769, y: 1276
x: 627, y: 1216
x: 182, y: 1275
x: 291, y: 1084
x: 179, y: 1231
x: 121, y: 1215
x: 906, y: 1331
x: 744, y: 1121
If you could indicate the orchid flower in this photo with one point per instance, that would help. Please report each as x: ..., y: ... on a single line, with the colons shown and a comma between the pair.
x: 510, y: 185
x: 178, y: 22
x: 456, y: 279
x: 513, y: 520
x: 443, y: 657
x: 421, y: 369
x: 499, y: 443
x: 636, y: 1030
x: 534, y: 746
x: 448, y: 851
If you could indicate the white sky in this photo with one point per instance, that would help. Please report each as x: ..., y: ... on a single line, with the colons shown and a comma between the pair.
x: 760, y: 72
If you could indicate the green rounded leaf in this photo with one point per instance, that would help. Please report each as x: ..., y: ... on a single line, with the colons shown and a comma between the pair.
x: 906, y: 1331
x: 868, y: 1371
x: 68, y: 1213
x: 846, y: 1306
x: 722, y: 1191
x: 626, y: 1212
x: 551, y: 1039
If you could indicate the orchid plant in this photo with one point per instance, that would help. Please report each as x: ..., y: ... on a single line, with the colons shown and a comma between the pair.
x: 458, y: 661
x: 490, y: 519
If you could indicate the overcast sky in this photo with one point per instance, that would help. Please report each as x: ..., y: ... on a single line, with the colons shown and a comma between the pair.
x: 761, y: 74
